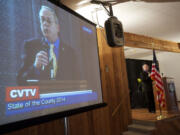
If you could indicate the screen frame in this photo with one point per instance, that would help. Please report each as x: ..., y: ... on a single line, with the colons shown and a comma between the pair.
x: 59, y: 4
x: 13, y: 126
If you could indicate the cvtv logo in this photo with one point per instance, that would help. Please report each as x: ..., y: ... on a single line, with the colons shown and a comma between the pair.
x: 22, y: 93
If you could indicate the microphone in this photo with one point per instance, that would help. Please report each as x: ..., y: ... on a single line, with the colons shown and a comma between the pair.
x: 44, y: 48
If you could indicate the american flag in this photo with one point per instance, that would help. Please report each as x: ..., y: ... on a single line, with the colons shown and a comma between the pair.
x: 155, y: 75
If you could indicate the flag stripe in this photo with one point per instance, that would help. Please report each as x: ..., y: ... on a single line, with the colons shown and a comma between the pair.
x: 155, y: 75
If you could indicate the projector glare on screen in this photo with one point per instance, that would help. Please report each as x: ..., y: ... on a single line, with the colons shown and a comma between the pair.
x: 49, y: 60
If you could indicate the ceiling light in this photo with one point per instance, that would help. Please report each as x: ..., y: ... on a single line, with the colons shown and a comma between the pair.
x: 82, y: 2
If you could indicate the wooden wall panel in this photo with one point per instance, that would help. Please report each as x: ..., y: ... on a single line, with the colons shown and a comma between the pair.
x: 55, y: 127
x: 113, y: 119
x: 168, y: 126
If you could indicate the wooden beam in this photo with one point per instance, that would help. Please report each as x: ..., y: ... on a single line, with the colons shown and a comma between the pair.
x: 160, y: 0
x: 139, y: 41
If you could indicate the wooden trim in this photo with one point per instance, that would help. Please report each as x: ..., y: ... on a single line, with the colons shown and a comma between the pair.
x: 140, y: 41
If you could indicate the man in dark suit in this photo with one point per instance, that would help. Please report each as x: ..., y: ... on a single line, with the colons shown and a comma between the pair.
x: 47, y: 58
x: 147, y: 87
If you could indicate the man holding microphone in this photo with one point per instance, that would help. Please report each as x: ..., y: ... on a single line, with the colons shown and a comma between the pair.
x: 47, y: 58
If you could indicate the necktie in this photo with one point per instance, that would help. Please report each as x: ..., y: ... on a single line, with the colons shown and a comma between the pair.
x: 54, y: 61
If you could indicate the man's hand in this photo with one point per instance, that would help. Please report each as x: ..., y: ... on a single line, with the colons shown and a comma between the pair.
x: 41, y: 60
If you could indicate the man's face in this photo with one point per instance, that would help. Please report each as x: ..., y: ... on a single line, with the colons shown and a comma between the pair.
x: 145, y: 68
x: 49, y: 26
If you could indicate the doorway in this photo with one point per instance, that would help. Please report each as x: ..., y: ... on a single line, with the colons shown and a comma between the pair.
x: 137, y: 95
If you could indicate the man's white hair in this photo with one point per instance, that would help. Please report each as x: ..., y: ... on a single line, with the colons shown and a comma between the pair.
x: 51, y: 10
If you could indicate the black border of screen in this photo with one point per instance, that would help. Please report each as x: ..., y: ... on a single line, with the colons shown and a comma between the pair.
x: 59, y: 4
x: 42, y: 119
x: 6, y: 128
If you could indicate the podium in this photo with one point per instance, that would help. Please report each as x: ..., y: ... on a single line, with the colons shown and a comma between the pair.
x: 170, y: 95
x: 171, y: 105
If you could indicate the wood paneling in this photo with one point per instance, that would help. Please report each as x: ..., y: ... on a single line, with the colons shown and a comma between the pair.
x: 169, y: 126
x: 113, y: 119
x: 55, y: 127
x: 139, y: 41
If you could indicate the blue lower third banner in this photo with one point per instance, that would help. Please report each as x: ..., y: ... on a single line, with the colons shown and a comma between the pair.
x: 50, y: 100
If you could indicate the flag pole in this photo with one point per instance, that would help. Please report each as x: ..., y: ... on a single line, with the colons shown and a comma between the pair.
x: 161, y: 116
x: 155, y: 75
x: 160, y: 109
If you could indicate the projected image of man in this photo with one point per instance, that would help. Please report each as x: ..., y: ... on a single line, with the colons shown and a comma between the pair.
x: 48, y: 57
x: 50, y: 30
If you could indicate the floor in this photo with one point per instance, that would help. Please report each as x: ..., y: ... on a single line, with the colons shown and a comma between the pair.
x: 145, y: 123
x: 143, y: 114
